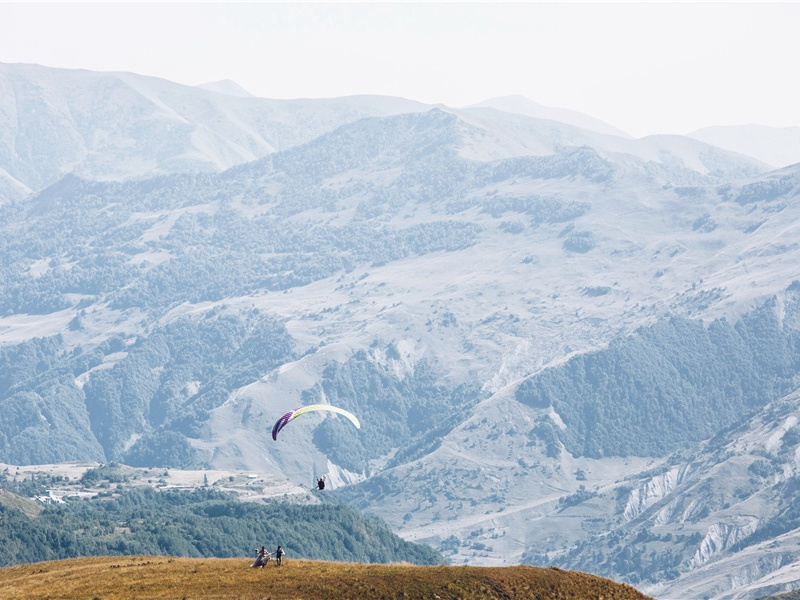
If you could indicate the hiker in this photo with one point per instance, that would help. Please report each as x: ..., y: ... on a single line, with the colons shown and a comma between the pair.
x: 262, y: 558
x: 278, y: 556
x: 321, y: 482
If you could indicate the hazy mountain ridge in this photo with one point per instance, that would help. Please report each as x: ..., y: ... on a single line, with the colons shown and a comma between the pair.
x: 523, y: 106
x: 226, y: 86
x: 113, y: 126
x: 671, y: 159
x: 421, y: 269
x: 776, y: 146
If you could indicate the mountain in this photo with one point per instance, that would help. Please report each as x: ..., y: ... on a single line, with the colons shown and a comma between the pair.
x: 720, y: 521
x: 544, y: 330
x: 119, y: 126
x: 523, y: 106
x: 226, y: 86
x: 776, y: 146
x: 712, y: 519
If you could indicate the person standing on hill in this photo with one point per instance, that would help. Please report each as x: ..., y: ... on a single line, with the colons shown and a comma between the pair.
x: 278, y: 556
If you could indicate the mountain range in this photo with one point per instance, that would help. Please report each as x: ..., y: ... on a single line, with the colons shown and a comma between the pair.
x: 565, y: 345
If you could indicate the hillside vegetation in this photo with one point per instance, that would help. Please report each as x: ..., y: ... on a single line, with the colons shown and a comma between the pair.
x: 151, y: 577
x: 202, y: 523
x: 793, y: 595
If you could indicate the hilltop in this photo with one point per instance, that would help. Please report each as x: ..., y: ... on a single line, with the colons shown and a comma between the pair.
x: 152, y: 577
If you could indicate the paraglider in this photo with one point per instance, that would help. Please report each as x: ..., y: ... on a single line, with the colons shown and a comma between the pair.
x: 293, y: 414
x: 262, y: 558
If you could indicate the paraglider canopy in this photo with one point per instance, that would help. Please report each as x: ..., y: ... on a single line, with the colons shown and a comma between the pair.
x: 293, y: 414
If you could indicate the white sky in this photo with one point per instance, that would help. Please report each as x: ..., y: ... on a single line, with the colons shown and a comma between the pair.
x: 644, y: 67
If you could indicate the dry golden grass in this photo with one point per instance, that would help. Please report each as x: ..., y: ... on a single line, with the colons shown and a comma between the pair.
x: 154, y: 577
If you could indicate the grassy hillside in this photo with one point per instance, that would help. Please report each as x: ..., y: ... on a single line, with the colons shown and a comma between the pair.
x: 132, y: 577
x: 25, y: 505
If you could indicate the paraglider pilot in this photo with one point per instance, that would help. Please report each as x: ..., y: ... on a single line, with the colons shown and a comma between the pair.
x: 262, y: 558
x: 321, y: 482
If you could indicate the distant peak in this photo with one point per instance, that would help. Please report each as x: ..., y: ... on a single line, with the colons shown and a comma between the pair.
x: 227, y: 87
x: 511, y: 100
x: 521, y: 105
